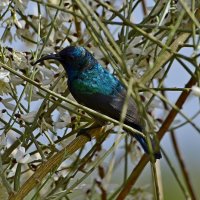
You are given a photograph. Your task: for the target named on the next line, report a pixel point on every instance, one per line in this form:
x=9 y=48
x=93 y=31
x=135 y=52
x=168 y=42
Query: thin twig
x=183 y=166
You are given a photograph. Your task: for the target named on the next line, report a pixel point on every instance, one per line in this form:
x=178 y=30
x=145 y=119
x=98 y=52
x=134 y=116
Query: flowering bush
x=39 y=119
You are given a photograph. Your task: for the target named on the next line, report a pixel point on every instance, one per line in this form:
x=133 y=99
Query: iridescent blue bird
x=93 y=86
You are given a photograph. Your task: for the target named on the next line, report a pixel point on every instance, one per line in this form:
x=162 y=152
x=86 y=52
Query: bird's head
x=73 y=58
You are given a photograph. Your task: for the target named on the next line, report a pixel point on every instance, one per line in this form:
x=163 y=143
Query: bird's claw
x=85 y=133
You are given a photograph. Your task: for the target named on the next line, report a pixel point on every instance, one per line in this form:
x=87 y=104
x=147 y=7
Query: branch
x=53 y=162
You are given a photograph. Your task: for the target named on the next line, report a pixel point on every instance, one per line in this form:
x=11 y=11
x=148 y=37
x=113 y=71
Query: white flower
x=63 y=121
x=46 y=75
x=11 y=172
x=117 y=128
x=48 y=50
x=29 y=117
x=196 y=91
x=21 y=5
x=97 y=52
x=4 y=76
x=1 y=113
x=160 y=74
x=61 y=86
x=4 y=4
x=51 y=37
x=3 y=141
x=20 y=60
x=136 y=50
x=34 y=96
x=45 y=71
x=7 y=104
x=21 y=156
x=45 y=125
x=16 y=21
x=16 y=80
x=6 y=140
x=23 y=32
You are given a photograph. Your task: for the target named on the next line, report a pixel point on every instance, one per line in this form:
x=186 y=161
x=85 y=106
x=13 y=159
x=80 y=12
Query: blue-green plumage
x=92 y=85
x=94 y=81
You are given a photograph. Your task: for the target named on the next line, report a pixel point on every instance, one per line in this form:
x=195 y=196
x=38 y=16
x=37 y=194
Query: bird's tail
x=144 y=145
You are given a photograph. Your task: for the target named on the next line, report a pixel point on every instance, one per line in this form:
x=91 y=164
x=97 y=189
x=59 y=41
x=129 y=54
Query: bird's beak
x=51 y=56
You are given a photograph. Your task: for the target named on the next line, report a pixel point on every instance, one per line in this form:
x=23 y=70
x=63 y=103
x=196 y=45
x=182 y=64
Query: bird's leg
x=86 y=130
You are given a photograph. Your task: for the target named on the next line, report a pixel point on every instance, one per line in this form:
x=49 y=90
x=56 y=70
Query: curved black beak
x=51 y=56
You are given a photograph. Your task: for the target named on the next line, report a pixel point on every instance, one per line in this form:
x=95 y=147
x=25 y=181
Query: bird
x=95 y=87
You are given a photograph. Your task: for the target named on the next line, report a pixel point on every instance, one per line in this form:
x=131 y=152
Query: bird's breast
x=93 y=81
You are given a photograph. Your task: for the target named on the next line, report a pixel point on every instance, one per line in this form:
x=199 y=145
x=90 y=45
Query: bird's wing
x=111 y=105
x=132 y=116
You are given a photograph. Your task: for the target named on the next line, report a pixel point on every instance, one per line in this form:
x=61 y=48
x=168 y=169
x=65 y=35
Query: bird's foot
x=85 y=133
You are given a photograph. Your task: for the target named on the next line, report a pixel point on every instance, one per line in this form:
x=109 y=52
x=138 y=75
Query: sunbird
x=95 y=87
